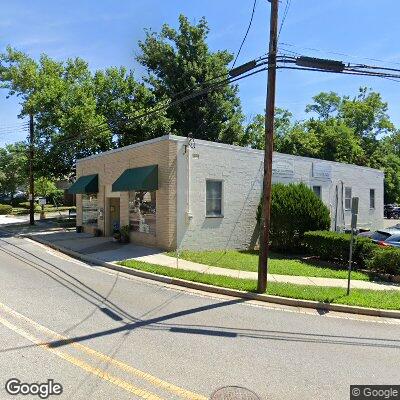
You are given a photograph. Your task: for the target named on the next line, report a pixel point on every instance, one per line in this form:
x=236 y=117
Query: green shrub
x=327 y=245
x=295 y=209
x=336 y=246
x=5 y=209
x=386 y=261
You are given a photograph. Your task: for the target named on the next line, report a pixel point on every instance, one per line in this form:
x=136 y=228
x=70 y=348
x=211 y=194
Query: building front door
x=114 y=214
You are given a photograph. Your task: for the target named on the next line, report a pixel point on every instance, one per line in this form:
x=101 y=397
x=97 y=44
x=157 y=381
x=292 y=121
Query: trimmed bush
x=336 y=247
x=295 y=209
x=386 y=261
x=5 y=209
x=327 y=245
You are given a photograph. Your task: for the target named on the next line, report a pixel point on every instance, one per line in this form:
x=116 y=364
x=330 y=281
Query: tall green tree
x=254 y=133
x=13 y=169
x=61 y=97
x=121 y=99
x=178 y=60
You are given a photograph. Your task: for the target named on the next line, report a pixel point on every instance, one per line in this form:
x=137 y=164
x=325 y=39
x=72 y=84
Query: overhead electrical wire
x=247 y=32
x=285 y=13
x=254 y=67
x=176 y=102
x=284 y=44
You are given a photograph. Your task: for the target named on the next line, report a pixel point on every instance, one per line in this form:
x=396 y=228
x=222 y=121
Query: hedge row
x=386 y=261
x=5 y=209
x=336 y=246
x=366 y=254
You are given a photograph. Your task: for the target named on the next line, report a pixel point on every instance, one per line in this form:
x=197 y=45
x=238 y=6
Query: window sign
x=89 y=209
x=142 y=212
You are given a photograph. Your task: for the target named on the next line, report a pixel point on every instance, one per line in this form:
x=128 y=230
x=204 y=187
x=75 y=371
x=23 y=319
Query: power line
x=174 y=103
x=285 y=13
x=336 y=53
x=247 y=32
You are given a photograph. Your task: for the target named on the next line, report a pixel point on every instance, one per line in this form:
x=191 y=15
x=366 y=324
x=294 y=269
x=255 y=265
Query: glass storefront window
x=142 y=212
x=89 y=209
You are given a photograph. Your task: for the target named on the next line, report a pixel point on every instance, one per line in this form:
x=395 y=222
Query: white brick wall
x=241 y=171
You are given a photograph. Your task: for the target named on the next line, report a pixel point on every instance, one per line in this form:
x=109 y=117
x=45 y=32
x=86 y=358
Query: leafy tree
x=254 y=133
x=178 y=61
x=325 y=105
x=13 y=169
x=120 y=98
x=46 y=188
x=61 y=96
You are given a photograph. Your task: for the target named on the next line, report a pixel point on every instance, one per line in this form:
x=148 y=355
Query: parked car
x=386 y=237
x=391 y=211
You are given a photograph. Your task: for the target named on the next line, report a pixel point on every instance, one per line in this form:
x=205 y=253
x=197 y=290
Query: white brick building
x=204 y=195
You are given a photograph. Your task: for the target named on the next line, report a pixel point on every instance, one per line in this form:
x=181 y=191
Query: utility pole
x=269 y=142
x=31 y=179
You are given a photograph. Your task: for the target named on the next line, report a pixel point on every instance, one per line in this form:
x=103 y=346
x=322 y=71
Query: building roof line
x=225 y=146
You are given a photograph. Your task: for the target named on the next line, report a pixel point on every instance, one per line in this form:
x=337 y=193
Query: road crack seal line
x=103 y=357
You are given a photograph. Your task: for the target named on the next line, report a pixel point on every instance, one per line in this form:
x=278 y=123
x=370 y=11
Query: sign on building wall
x=283 y=167
x=321 y=171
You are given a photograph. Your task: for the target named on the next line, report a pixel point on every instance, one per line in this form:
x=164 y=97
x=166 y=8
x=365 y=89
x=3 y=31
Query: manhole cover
x=234 y=393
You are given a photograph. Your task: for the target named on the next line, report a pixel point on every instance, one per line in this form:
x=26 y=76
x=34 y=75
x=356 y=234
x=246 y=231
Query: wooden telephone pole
x=269 y=141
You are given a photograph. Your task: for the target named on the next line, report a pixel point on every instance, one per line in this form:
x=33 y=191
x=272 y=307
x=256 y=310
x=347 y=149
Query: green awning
x=142 y=178
x=85 y=184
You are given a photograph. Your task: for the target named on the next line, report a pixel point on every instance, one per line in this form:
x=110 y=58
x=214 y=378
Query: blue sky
x=106 y=32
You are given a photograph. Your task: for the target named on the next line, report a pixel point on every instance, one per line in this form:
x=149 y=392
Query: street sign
x=42 y=201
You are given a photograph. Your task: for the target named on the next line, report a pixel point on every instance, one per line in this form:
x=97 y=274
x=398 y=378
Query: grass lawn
x=38 y=209
x=389 y=300
x=278 y=263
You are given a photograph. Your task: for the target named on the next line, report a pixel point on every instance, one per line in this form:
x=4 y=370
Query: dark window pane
x=213 y=198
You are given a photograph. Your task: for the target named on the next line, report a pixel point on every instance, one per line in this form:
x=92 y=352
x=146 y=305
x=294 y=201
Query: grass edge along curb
x=220 y=290
x=246 y=286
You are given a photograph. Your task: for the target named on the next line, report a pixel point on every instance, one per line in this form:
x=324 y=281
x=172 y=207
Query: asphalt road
x=104 y=335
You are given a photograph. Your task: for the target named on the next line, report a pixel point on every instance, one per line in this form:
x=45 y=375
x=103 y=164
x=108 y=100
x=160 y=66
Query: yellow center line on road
x=119 y=364
x=83 y=365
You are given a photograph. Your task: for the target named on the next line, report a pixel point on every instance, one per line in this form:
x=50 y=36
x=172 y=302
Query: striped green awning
x=142 y=178
x=85 y=184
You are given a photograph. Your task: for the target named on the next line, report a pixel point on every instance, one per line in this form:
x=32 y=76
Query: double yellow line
x=100 y=373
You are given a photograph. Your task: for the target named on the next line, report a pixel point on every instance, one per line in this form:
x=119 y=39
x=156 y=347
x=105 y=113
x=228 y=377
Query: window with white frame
x=213 y=198
x=89 y=209
x=317 y=190
x=371 y=198
x=347 y=198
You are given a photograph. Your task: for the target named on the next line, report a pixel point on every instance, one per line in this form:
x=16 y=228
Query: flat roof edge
x=225 y=146
x=131 y=146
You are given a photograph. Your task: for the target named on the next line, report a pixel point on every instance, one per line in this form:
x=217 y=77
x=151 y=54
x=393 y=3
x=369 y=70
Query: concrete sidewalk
x=104 y=249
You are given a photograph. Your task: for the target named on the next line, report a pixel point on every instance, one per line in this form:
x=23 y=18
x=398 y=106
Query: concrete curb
x=224 y=291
